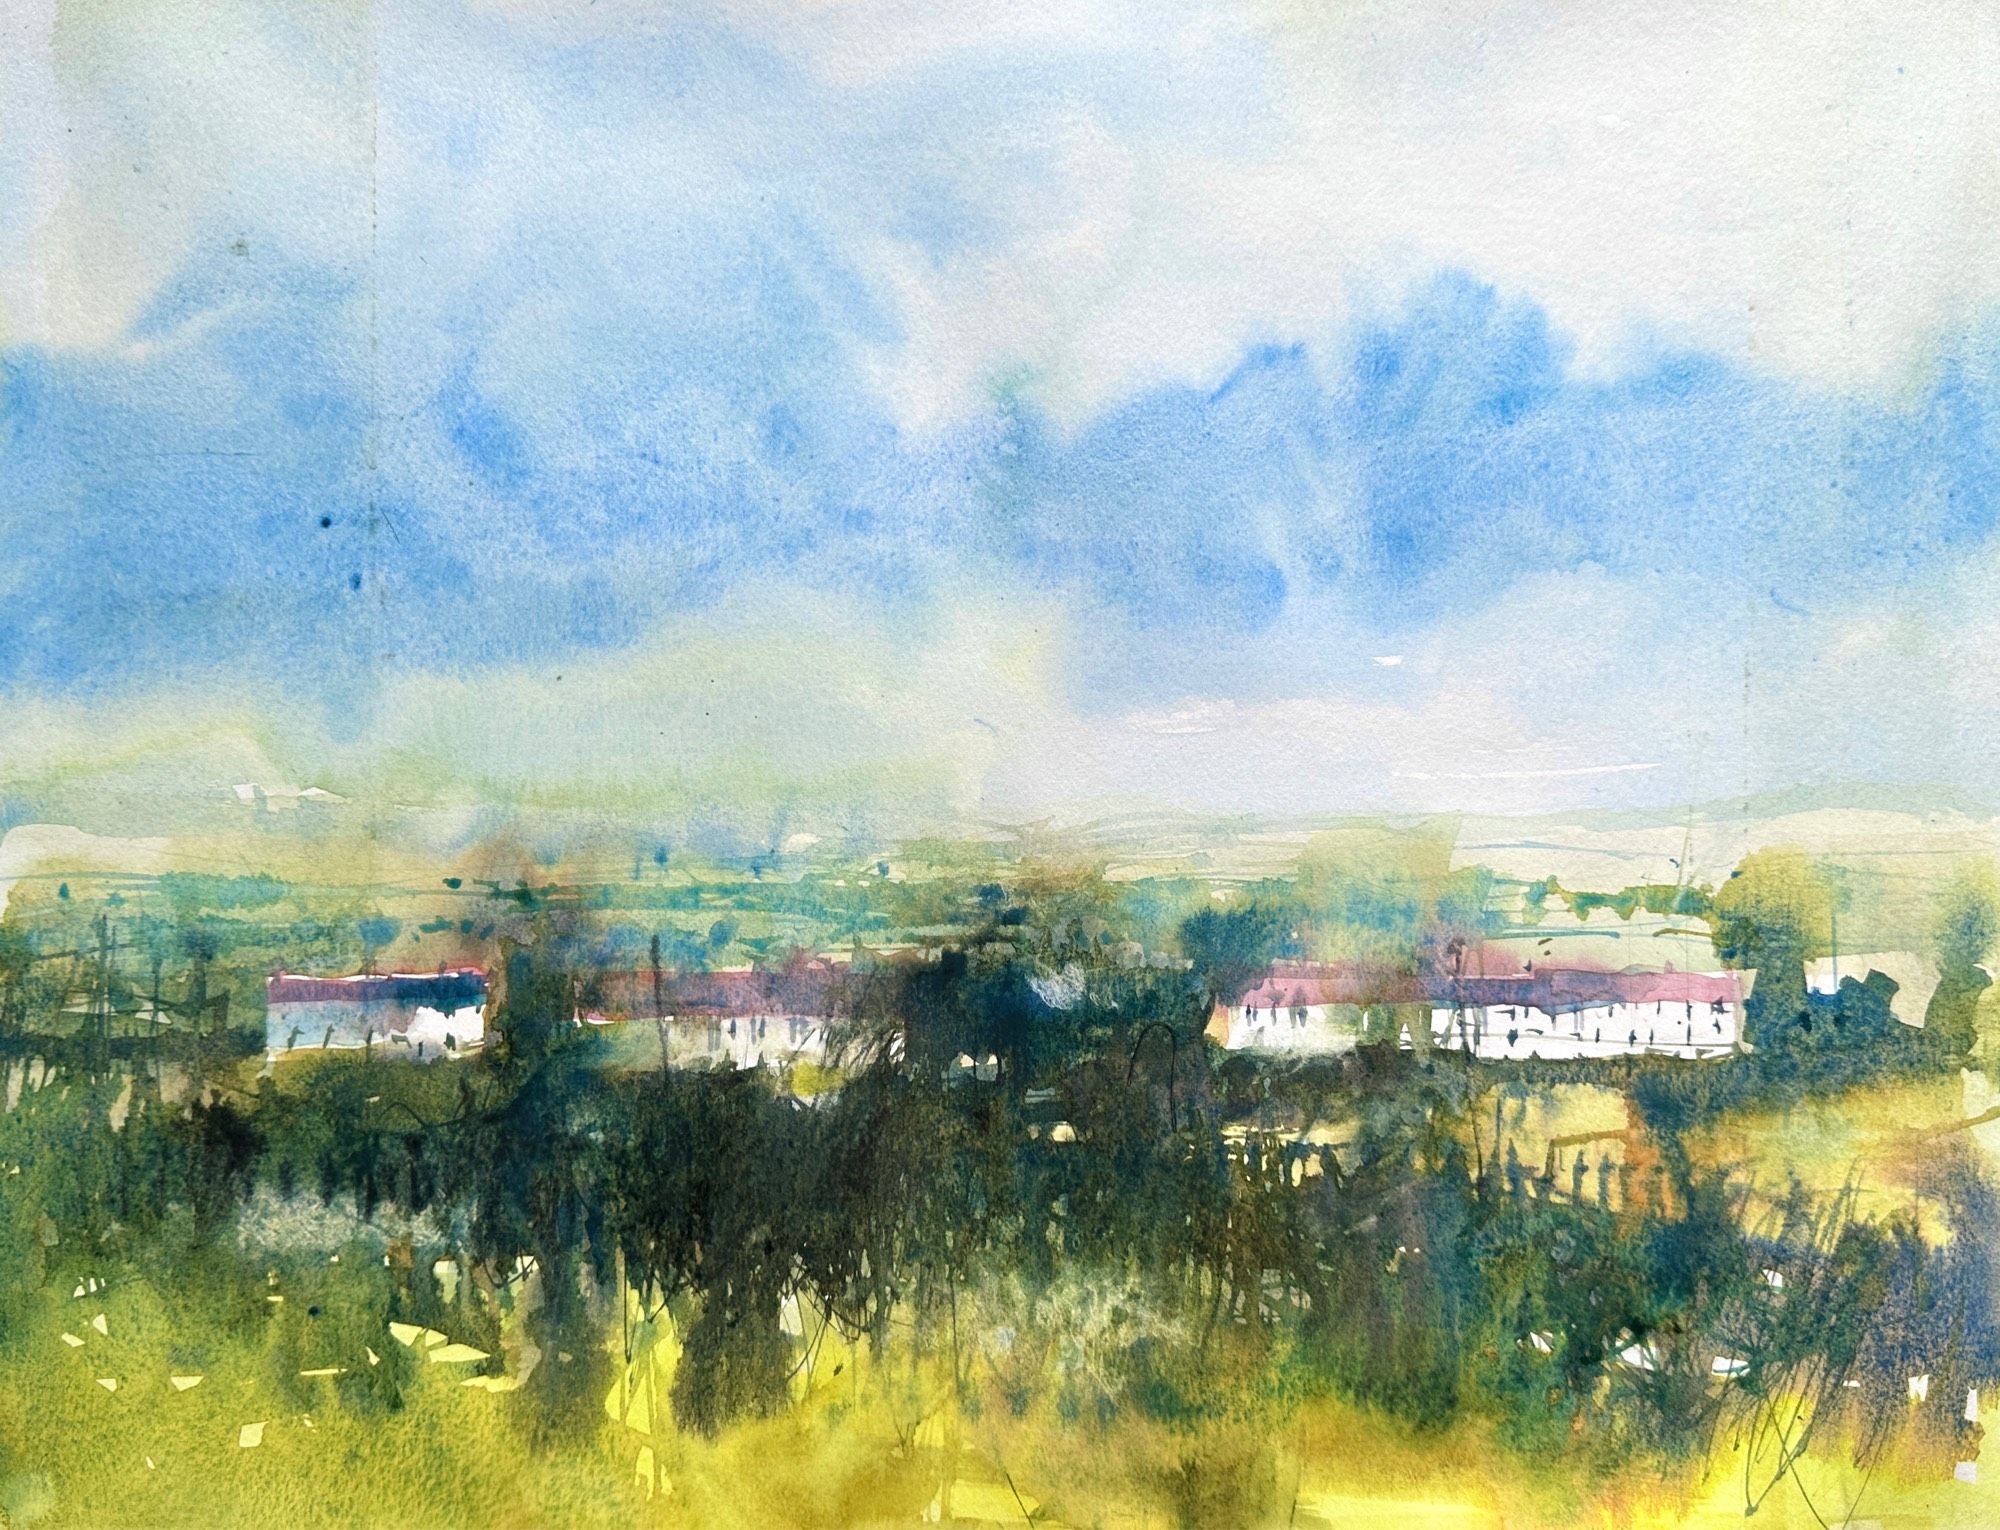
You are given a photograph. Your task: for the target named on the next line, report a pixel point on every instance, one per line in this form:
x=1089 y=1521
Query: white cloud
x=1810 y=187
x=1806 y=187
x=165 y=133
x=1571 y=691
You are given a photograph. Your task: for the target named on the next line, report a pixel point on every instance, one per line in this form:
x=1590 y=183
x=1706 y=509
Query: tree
x=1774 y=914
x=1231 y=947
x=17 y=965
x=537 y=1000
x=1962 y=936
x=377 y=932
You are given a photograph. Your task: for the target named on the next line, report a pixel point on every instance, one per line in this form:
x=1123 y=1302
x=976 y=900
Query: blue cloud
x=546 y=470
x=1448 y=451
x=161 y=508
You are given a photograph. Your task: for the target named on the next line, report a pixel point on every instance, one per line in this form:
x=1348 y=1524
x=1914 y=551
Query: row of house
x=1570 y=1013
x=1546 y=1014
x=423 y=1015
x=748 y=1019
x=745 y=1018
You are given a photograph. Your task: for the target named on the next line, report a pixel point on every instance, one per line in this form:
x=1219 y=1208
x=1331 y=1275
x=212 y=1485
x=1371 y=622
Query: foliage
x=1207 y=1247
x=1773 y=915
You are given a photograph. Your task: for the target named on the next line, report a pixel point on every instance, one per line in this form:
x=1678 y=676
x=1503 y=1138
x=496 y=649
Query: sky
x=975 y=413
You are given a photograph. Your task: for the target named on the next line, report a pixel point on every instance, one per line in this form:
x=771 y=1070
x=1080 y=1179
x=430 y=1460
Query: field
x=1121 y=1278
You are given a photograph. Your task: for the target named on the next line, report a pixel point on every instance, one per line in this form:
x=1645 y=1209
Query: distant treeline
x=173 y=967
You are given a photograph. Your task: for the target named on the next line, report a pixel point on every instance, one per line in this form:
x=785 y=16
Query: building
x=1576 y=1013
x=1547 y=1014
x=1915 y=976
x=1307 y=1008
x=744 y=1018
x=419 y=1015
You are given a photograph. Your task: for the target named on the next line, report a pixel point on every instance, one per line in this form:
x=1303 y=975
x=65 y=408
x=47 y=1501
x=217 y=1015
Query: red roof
x=814 y=989
x=1559 y=988
x=1290 y=984
x=1299 y=984
x=452 y=988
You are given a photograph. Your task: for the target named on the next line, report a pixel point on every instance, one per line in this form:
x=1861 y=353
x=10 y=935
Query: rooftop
x=451 y=988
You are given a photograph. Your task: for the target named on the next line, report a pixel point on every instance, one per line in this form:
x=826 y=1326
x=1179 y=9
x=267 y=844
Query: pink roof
x=1290 y=984
x=1564 y=988
x=1300 y=984
x=451 y=988
x=806 y=988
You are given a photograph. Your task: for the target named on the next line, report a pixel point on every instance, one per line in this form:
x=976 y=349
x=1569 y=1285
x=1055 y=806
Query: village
x=1318 y=1106
x=747 y=1018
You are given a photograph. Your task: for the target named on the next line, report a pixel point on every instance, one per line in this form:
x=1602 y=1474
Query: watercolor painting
x=1124 y=764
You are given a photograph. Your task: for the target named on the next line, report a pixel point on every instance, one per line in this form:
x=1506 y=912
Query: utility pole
x=659 y=1006
x=99 y=1017
x=153 y=1024
x=197 y=1007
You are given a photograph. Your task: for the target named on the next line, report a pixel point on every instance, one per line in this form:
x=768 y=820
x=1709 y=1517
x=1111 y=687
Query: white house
x=1572 y=1013
x=1548 y=1014
x=1308 y=1009
x=419 y=1015
x=742 y=1018
x=1915 y=977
